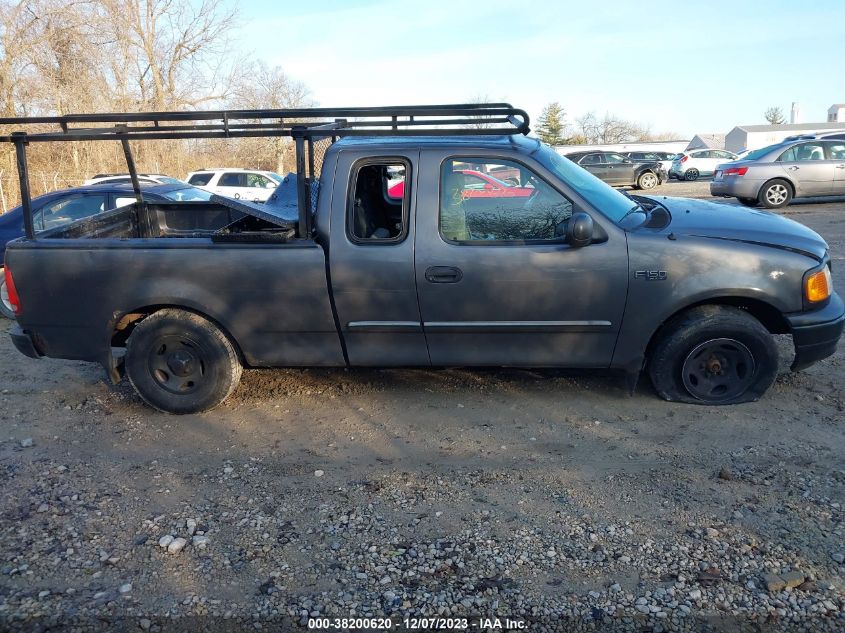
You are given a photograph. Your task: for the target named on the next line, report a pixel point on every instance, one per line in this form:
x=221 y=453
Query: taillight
x=684 y=158
x=736 y=171
x=12 y=292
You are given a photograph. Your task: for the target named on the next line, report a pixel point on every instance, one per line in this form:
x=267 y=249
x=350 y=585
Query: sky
x=684 y=67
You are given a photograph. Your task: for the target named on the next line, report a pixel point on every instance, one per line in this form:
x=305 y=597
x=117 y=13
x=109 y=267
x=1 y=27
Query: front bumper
x=816 y=334
x=23 y=341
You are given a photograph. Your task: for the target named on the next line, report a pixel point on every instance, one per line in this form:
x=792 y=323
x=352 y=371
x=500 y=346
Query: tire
x=691 y=174
x=713 y=355
x=179 y=362
x=647 y=180
x=748 y=202
x=5 y=306
x=775 y=194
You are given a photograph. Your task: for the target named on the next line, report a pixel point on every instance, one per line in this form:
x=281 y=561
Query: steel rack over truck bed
x=431 y=236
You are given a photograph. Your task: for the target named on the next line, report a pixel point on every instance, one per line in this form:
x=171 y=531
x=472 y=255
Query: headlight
x=818 y=285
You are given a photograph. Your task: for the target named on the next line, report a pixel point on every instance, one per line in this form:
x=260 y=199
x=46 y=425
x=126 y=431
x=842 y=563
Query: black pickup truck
x=408 y=250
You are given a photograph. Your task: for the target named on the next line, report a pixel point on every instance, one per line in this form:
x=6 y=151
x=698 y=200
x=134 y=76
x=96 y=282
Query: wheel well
x=129 y=321
x=786 y=181
x=765 y=313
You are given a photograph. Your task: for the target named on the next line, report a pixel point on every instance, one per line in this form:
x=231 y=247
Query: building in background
x=836 y=113
x=757 y=136
x=795 y=113
x=707 y=141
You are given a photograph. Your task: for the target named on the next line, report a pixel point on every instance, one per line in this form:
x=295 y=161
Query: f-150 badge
x=651 y=275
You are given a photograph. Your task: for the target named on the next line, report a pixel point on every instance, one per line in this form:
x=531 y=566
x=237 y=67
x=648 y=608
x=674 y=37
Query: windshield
x=188 y=194
x=605 y=198
x=757 y=153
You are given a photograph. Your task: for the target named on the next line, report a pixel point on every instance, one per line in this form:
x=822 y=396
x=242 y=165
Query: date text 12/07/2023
x=417 y=624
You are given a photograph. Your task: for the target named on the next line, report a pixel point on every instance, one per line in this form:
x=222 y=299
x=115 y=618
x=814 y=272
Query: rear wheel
x=748 y=202
x=691 y=174
x=648 y=180
x=713 y=355
x=775 y=194
x=180 y=362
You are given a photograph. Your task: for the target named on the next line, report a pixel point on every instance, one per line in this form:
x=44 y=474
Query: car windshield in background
x=605 y=198
x=188 y=194
x=757 y=153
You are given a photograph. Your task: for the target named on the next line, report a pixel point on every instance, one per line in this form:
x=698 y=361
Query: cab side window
x=527 y=212
x=379 y=201
x=232 y=179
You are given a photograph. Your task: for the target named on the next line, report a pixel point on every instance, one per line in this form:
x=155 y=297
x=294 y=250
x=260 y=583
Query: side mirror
x=579 y=230
x=488 y=187
x=270 y=185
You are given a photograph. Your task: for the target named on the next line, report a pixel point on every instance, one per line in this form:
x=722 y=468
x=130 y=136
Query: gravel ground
x=548 y=497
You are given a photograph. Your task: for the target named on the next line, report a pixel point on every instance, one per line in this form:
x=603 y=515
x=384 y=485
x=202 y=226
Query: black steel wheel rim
x=177 y=364
x=718 y=370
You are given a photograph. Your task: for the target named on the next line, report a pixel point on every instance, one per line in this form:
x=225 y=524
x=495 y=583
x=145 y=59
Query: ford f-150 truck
x=334 y=271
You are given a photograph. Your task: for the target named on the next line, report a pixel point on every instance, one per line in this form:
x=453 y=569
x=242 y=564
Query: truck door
x=497 y=283
x=371 y=257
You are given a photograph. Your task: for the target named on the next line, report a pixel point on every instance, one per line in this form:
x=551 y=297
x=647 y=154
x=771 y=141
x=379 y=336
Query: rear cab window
x=378 y=204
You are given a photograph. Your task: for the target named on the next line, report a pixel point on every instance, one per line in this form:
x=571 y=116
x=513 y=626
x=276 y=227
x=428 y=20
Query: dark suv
x=619 y=171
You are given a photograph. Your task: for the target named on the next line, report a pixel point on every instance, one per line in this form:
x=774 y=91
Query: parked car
x=57 y=208
x=773 y=176
x=241 y=184
x=664 y=158
x=577 y=274
x=692 y=164
x=619 y=171
x=114 y=179
x=475 y=184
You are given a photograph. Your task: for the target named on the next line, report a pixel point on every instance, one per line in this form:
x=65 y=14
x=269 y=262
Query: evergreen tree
x=550 y=127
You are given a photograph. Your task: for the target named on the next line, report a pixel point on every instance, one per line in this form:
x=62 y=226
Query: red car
x=476 y=185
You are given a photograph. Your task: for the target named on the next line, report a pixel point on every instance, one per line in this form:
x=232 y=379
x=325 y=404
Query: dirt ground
x=550 y=497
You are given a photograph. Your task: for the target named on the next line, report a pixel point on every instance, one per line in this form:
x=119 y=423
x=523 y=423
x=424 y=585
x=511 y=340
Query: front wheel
x=691 y=174
x=5 y=307
x=713 y=355
x=180 y=362
x=775 y=194
x=647 y=180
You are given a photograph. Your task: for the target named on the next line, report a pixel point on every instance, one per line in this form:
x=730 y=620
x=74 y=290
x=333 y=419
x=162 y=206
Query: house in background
x=707 y=141
x=836 y=113
x=757 y=136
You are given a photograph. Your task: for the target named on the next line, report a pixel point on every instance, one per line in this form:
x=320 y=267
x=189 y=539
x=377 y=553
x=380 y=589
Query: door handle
x=793 y=168
x=443 y=275
x=840 y=167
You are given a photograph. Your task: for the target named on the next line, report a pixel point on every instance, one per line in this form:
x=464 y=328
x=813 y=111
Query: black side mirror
x=579 y=230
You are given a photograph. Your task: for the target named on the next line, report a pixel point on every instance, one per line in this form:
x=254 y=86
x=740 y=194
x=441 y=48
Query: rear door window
x=836 y=149
x=379 y=201
x=69 y=209
x=233 y=179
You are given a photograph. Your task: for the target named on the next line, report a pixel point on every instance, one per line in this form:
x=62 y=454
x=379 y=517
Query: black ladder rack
x=304 y=125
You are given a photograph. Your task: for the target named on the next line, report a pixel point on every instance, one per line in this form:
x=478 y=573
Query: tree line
x=65 y=56
x=591 y=129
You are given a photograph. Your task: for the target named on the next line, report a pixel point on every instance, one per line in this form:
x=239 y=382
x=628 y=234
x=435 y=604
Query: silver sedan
x=774 y=175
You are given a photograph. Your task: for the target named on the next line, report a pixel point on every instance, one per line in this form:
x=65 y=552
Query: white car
x=113 y=179
x=693 y=163
x=242 y=184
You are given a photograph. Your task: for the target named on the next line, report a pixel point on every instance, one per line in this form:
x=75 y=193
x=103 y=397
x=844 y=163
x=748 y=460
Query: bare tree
x=609 y=129
x=170 y=53
x=774 y=116
x=266 y=87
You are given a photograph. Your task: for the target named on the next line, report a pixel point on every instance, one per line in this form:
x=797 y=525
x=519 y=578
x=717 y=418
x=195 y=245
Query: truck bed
x=266 y=288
